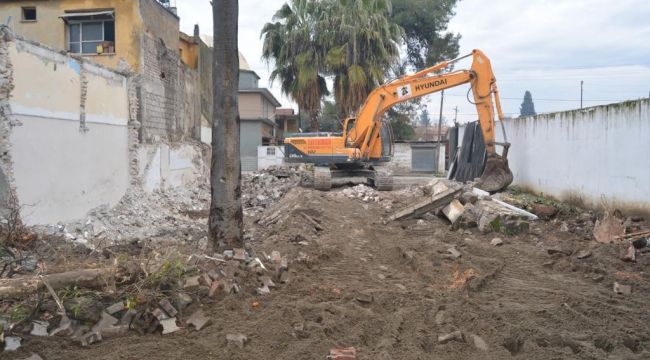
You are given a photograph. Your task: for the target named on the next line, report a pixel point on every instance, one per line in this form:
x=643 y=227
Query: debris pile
x=362 y=192
x=262 y=188
x=162 y=294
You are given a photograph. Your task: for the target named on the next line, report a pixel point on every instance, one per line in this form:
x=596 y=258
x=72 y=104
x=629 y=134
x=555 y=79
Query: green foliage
x=401 y=125
x=329 y=120
x=424 y=24
x=527 y=106
x=425 y=120
x=18 y=313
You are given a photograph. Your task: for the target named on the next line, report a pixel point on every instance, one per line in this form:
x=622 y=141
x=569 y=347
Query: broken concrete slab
x=453 y=210
x=192 y=281
x=238 y=340
x=426 y=205
x=198 y=320
x=454 y=336
x=622 y=289
x=239 y=254
x=169 y=326
x=168 y=307
x=12 y=343
x=454 y=253
x=479 y=343
x=348 y=353
x=496 y=242
x=117 y=307
x=609 y=227
x=364 y=298
x=105 y=322
x=583 y=254
x=39 y=328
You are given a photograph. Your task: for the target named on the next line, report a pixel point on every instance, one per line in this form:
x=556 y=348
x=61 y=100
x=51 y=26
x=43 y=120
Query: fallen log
x=85 y=278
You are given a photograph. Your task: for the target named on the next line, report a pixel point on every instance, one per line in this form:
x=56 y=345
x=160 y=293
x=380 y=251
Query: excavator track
x=322 y=178
x=383 y=181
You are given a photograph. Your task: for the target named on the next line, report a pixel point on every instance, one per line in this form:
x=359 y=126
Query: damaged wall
x=579 y=155
x=70 y=147
x=164 y=166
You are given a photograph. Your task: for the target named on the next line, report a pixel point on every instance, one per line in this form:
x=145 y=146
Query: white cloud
x=545 y=46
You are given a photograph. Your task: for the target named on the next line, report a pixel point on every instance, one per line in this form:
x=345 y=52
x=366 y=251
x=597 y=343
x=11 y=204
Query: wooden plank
x=426 y=205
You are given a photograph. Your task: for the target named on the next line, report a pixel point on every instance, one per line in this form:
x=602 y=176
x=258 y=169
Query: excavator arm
x=366 y=133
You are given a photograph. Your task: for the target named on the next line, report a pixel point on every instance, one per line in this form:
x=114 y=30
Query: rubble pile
x=164 y=295
x=262 y=188
x=362 y=192
x=139 y=215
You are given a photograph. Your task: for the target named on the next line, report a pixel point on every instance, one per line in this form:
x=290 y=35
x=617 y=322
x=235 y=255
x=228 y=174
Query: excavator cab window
x=349 y=126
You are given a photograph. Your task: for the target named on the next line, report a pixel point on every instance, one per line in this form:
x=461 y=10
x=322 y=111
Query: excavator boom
x=361 y=139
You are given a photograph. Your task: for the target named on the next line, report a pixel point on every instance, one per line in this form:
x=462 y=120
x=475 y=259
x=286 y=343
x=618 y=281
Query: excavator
x=366 y=142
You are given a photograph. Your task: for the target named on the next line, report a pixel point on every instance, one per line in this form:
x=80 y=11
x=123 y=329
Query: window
x=91 y=35
x=29 y=14
x=270 y=151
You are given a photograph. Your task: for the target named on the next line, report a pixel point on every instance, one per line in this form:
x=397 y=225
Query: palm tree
x=225 y=223
x=294 y=43
x=362 y=47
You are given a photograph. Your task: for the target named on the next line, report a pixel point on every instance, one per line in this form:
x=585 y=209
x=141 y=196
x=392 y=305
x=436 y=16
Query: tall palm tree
x=293 y=42
x=225 y=223
x=362 y=47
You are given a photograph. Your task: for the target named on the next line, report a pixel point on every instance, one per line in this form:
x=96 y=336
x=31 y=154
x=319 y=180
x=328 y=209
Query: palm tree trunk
x=314 y=123
x=225 y=223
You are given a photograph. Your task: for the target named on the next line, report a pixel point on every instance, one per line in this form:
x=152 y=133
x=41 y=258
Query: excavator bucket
x=497 y=175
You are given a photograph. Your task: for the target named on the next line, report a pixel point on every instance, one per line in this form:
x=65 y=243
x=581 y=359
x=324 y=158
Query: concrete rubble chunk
x=182 y=300
x=198 y=320
x=426 y=205
x=216 y=287
x=169 y=326
x=348 y=353
x=65 y=327
x=544 y=211
x=622 y=289
x=192 y=281
x=39 y=328
x=238 y=340
x=276 y=257
x=284 y=277
x=454 y=336
x=364 y=298
x=266 y=281
x=453 y=211
x=608 y=227
x=12 y=343
x=479 y=343
x=228 y=254
x=128 y=317
x=454 y=253
x=441 y=317
x=168 y=307
x=583 y=254
x=90 y=338
x=239 y=254
x=105 y=322
x=496 y=242
x=159 y=314
x=117 y=307
x=205 y=280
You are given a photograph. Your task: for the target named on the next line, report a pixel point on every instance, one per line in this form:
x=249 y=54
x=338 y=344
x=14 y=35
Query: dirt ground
x=389 y=290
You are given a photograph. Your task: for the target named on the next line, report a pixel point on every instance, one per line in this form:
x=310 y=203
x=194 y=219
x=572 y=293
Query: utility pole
x=455 y=115
x=435 y=161
x=581 y=87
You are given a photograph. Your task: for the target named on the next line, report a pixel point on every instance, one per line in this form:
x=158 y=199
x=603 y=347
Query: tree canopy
x=527 y=106
x=355 y=43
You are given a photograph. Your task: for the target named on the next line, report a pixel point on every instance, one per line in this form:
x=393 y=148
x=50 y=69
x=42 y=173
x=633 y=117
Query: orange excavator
x=366 y=142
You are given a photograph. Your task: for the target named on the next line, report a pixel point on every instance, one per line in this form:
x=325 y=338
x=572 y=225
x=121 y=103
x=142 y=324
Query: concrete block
x=454 y=210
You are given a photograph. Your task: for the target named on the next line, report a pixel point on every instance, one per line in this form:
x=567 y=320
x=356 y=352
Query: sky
x=544 y=46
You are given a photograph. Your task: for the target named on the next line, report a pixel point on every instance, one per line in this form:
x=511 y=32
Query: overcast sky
x=545 y=46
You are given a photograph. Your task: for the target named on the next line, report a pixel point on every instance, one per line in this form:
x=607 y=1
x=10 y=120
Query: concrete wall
x=68 y=136
x=582 y=155
x=164 y=166
x=268 y=156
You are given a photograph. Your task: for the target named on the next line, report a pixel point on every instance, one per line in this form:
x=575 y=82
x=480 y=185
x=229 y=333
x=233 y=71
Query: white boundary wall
x=582 y=155
x=62 y=168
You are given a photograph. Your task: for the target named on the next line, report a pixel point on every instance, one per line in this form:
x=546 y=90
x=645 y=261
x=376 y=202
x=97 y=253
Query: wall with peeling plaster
x=581 y=155
x=70 y=149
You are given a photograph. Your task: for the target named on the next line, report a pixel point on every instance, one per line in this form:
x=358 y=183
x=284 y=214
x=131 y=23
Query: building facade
x=140 y=38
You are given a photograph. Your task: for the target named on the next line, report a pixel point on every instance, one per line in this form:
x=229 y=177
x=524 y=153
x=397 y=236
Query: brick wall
x=170 y=95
